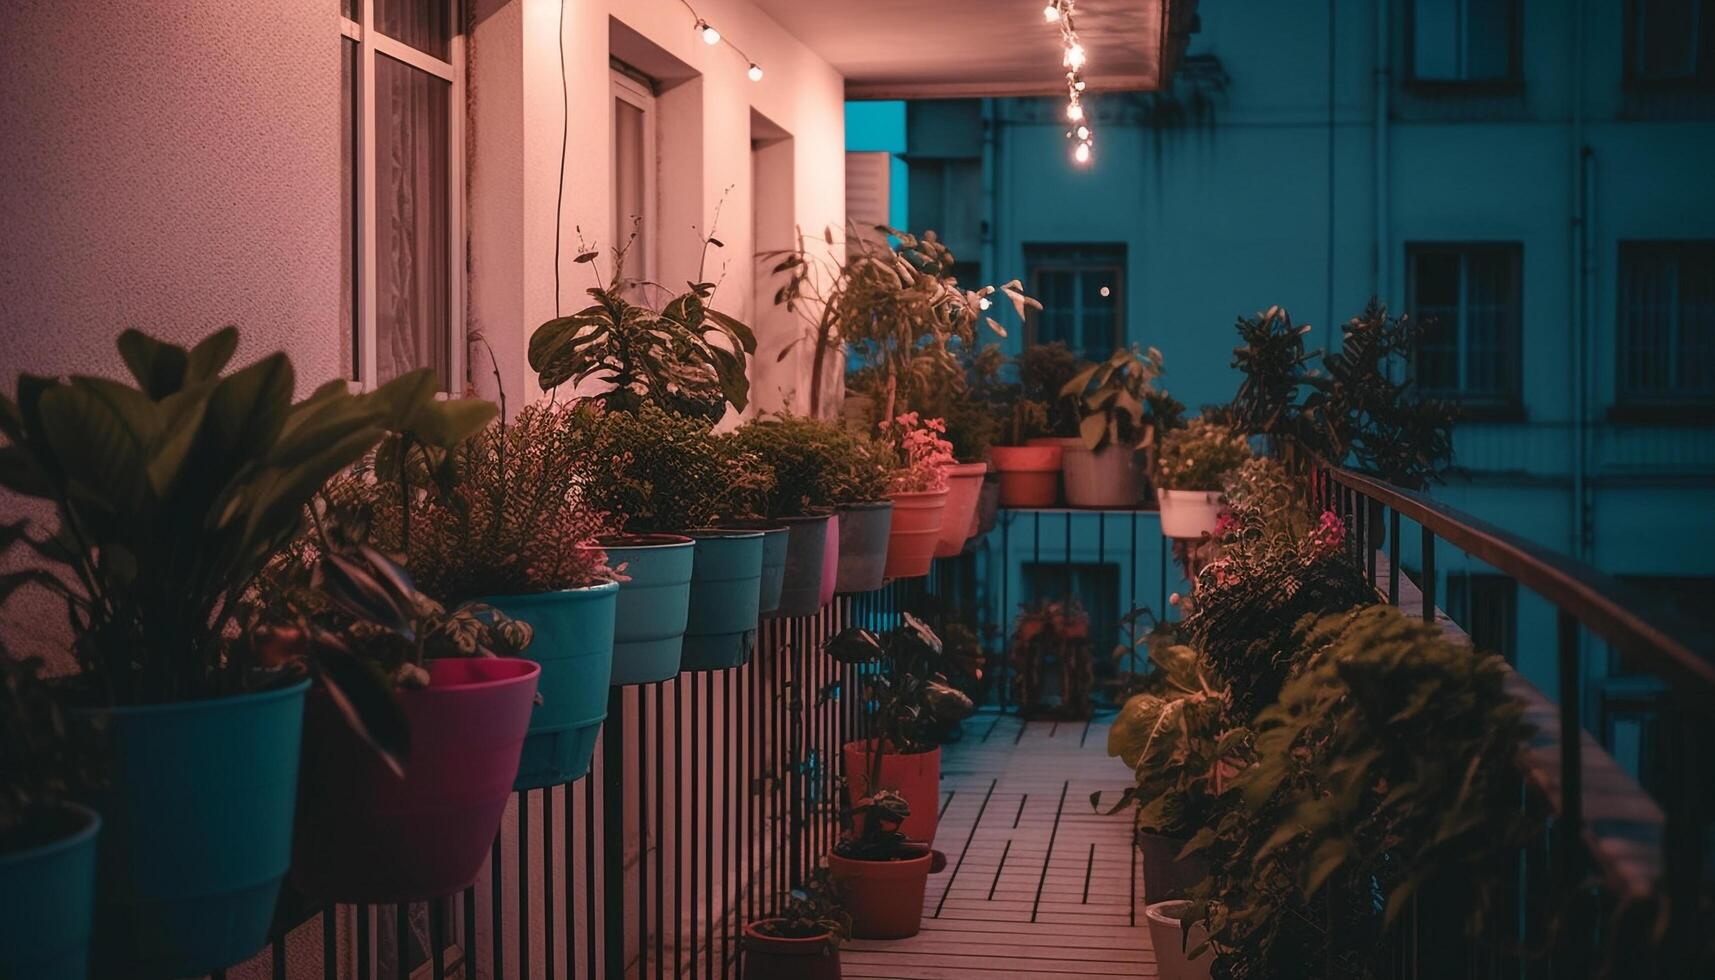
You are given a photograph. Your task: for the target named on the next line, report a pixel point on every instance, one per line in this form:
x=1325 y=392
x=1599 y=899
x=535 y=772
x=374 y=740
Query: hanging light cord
x=1074 y=59
x=712 y=36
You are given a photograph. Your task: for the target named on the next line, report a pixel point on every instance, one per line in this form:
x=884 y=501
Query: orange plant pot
x=1029 y=475
x=964 y=485
x=916 y=530
x=917 y=777
x=774 y=958
x=885 y=898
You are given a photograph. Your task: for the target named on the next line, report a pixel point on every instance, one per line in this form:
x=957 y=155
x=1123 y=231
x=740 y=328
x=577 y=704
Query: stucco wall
x=173 y=167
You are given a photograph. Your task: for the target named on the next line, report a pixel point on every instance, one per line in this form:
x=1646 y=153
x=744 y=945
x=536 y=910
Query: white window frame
x=638 y=94
x=371 y=42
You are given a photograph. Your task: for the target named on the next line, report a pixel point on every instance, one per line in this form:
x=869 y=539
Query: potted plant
x=47 y=842
x=881 y=872
x=1052 y=662
x=1115 y=423
x=416 y=824
x=508 y=528
x=968 y=411
x=1029 y=471
x=1194 y=462
x=863 y=514
x=802 y=941
x=1179 y=939
x=810 y=459
x=694 y=595
x=171 y=497
x=911 y=707
x=918 y=489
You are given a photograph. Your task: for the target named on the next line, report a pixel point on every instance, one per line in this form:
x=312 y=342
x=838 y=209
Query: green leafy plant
x=1114 y=399
x=908 y=700
x=664 y=472
x=1199 y=456
x=1053 y=667
x=1386 y=765
x=965 y=392
x=46 y=756
x=1276 y=368
x=812 y=909
x=817 y=464
x=919 y=453
x=1044 y=371
x=173 y=495
x=877 y=819
x=686 y=356
x=1264 y=497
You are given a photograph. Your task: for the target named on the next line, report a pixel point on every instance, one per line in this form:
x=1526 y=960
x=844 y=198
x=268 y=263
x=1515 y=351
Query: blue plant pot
x=725 y=591
x=649 y=621
x=574 y=644
x=197 y=831
x=48 y=893
x=808 y=544
x=774 y=549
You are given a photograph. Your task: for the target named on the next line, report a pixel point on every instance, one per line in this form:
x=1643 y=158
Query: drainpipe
x=1382 y=274
x=991 y=192
x=1583 y=165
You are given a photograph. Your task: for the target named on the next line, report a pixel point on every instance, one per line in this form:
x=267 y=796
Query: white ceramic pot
x=1189 y=514
x=1170 y=941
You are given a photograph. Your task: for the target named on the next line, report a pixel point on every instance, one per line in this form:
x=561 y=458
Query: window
x=1666 y=321
x=402 y=219
x=1464 y=40
x=1095 y=586
x=1468 y=299
x=1687 y=596
x=1082 y=290
x=634 y=172
x=1669 y=40
x=1486 y=607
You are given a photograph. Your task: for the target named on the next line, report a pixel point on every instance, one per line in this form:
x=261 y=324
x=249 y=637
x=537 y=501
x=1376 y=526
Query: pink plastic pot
x=964 y=485
x=916 y=530
x=364 y=834
x=1029 y=475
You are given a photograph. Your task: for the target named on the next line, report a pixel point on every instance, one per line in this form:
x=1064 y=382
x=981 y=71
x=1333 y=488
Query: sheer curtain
x=411 y=218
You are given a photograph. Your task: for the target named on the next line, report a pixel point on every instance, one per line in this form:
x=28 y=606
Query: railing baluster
x=524 y=884
x=1393 y=557
x=613 y=834
x=1427 y=586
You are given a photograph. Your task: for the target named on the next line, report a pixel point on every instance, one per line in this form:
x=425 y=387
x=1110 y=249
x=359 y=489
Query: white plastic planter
x=1170 y=942
x=1189 y=514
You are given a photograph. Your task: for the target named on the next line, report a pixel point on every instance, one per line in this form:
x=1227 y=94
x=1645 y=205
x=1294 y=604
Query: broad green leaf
x=211 y=356
x=159 y=367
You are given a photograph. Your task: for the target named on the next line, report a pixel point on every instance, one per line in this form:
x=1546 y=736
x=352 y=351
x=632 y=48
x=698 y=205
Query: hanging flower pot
x=964 y=486
x=830 y=561
x=915 y=776
x=197 y=831
x=864 y=531
x=1190 y=514
x=915 y=532
x=807 y=547
x=1172 y=941
x=885 y=898
x=774 y=547
x=651 y=611
x=574 y=644
x=726 y=580
x=1100 y=478
x=770 y=957
x=988 y=506
x=365 y=834
x=1029 y=475
x=47 y=887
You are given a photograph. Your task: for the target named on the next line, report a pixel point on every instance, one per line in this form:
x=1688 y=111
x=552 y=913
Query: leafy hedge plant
x=1200 y=456
x=1116 y=399
x=817 y=464
x=919 y=452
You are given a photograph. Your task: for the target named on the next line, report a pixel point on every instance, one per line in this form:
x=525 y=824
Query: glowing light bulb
x=1082 y=153
x=1079 y=85
x=710 y=35
x=1083 y=132
x=755 y=73
x=1051 y=13
x=984 y=303
x=1106 y=292
x=1075 y=56
x=1075 y=112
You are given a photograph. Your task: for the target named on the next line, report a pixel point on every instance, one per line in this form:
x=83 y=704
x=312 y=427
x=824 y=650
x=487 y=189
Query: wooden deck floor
x=1037 y=886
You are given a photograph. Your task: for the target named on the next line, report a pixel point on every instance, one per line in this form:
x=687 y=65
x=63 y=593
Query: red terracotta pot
x=964 y=484
x=364 y=834
x=1029 y=475
x=916 y=530
x=916 y=776
x=885 y=898
x=773 y=958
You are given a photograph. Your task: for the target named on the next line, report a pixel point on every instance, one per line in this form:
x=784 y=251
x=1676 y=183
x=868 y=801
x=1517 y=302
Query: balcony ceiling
x=908 y=49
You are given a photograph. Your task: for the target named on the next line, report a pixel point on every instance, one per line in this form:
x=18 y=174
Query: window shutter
x=868 y=192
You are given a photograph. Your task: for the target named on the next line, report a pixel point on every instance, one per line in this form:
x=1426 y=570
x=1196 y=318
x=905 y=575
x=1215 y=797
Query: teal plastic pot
x=47 y=889
x=807 y=544
x=725 y=590
x=774 y=544
x=574 y=644
x=649 y=618
x=197 y=831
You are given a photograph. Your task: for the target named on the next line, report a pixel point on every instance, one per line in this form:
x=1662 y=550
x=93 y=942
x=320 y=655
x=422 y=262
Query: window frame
x=1674 y=397
x=1702 y=78
x=1511 y=81
x=633 y=88
x=1509 y=403
x=1083 y=258
x=372 y=44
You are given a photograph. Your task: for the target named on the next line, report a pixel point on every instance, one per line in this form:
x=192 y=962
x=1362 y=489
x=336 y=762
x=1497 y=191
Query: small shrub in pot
x=802 y=940
x=882 y=873
x=1191 y=469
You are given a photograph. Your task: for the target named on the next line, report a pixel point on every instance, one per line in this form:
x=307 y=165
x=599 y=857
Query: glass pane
x=1697 y=321
x=349 y=303
x=1667 y=38
x=426 y=25
x=1488 y=35
x=1435 y=39
x=412 y=175
x=630 y=187
x=1100 y=320
x=1491 y=313
x=1058 y=316
x=1435 y=303
x=1646 y=305
x=348 y=9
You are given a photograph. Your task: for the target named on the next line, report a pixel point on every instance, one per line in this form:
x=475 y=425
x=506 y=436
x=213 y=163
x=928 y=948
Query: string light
x=712 y=37
x=1074 y=59
x=755 y=72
